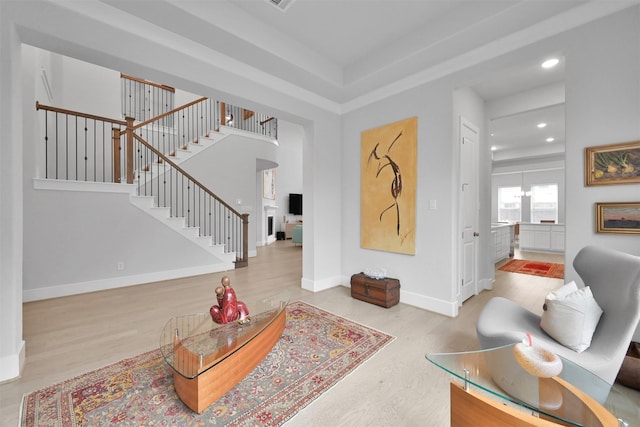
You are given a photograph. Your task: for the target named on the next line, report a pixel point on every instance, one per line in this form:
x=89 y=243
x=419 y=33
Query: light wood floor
x=397 y=387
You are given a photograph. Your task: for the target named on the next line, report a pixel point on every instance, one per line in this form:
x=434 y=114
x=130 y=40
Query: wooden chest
x=383 y=292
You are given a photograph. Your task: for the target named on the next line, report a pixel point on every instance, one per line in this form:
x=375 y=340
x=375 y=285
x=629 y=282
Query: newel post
x=116 y=155
x=129 y=148
x=245 y=237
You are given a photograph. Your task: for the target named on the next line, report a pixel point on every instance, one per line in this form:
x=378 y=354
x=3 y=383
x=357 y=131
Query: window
x=509 y=204
x=544 y=202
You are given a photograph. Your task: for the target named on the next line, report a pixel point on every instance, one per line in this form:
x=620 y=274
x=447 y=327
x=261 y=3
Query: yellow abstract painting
x=388 y=187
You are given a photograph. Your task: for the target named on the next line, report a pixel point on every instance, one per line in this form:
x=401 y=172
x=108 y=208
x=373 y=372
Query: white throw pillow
x=571 y=316
x=567 y=289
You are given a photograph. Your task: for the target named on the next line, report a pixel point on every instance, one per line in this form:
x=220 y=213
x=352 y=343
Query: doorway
x=525 y=119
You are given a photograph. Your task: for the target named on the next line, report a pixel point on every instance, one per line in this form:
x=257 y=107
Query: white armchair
x=614 y=279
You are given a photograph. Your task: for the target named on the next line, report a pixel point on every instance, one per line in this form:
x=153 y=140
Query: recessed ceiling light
x=550 y=139
x=541 y=125
x=494 y=148
x=550 y=63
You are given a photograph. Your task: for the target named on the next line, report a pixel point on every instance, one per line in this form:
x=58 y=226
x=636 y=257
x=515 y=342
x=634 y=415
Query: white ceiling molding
x=292 y=70
x=553 y=26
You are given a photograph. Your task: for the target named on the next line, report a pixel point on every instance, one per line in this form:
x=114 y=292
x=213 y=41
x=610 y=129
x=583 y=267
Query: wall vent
x=283 y=5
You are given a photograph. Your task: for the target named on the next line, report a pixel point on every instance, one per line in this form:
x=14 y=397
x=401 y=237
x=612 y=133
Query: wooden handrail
x=175 y=110
x=76 y=113
x=147 y=82
x=185 y=173
x=267 y=120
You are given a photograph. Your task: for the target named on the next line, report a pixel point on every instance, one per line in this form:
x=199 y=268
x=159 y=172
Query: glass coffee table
x=208 y=359
x=495 y=387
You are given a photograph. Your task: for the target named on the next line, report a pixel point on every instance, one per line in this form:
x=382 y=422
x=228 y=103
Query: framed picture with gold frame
x=619 y=218
x=269 y=184
x=612 y=164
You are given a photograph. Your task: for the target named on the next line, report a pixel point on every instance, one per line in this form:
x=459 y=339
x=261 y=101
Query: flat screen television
x=295 y=204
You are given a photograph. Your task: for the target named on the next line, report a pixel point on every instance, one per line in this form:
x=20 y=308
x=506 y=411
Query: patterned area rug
x=535 y=268
x=317 y=349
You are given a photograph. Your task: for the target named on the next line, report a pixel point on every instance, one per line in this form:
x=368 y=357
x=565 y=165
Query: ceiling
x=343 y=54
x=514 y=133
x=518 y=136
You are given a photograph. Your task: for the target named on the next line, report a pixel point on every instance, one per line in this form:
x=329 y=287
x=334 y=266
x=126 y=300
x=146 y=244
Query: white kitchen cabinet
x=542 y=237
x=557 y=238
x=502 y=240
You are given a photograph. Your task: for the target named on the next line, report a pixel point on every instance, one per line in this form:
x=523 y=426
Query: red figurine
x=229 y=309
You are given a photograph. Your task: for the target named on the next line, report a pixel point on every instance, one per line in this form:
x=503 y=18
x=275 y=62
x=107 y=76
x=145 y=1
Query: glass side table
x=208 y=359
x=496 y=391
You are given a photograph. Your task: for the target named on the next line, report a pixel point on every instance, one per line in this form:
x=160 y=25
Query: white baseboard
x=426 y=303
x=99 y=187
x=114 y=282
x=267 y=242
x=11 y=365
x=446 y=308
x=320 y=285
x=485 y=285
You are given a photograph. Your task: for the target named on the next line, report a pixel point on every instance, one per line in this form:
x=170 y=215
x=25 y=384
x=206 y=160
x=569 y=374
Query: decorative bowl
x=536 y=360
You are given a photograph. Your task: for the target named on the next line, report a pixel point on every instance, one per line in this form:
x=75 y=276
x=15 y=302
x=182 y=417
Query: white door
x=468 y=210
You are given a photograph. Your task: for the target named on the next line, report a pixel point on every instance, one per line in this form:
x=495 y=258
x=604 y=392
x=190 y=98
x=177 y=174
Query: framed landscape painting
x=612 y=164
x=620 y=218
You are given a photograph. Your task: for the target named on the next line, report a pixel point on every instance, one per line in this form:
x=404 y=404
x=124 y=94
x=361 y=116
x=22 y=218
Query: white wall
x=322 y=188
x=85 y=87
x=105 y=229
x=426 y=278
x=603 y=107
x=429 y=278
x=12 y=346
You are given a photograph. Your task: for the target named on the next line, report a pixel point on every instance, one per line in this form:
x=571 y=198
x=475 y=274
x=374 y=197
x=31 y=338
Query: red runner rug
x=534 y=268
x=317 y=349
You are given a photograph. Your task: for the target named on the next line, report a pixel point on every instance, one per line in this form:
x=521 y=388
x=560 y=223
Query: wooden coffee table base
x=469 y=407
x=200 y=392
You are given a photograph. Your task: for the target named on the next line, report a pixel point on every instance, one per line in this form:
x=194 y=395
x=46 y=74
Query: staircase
x=179 y=224
x=148 y=155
